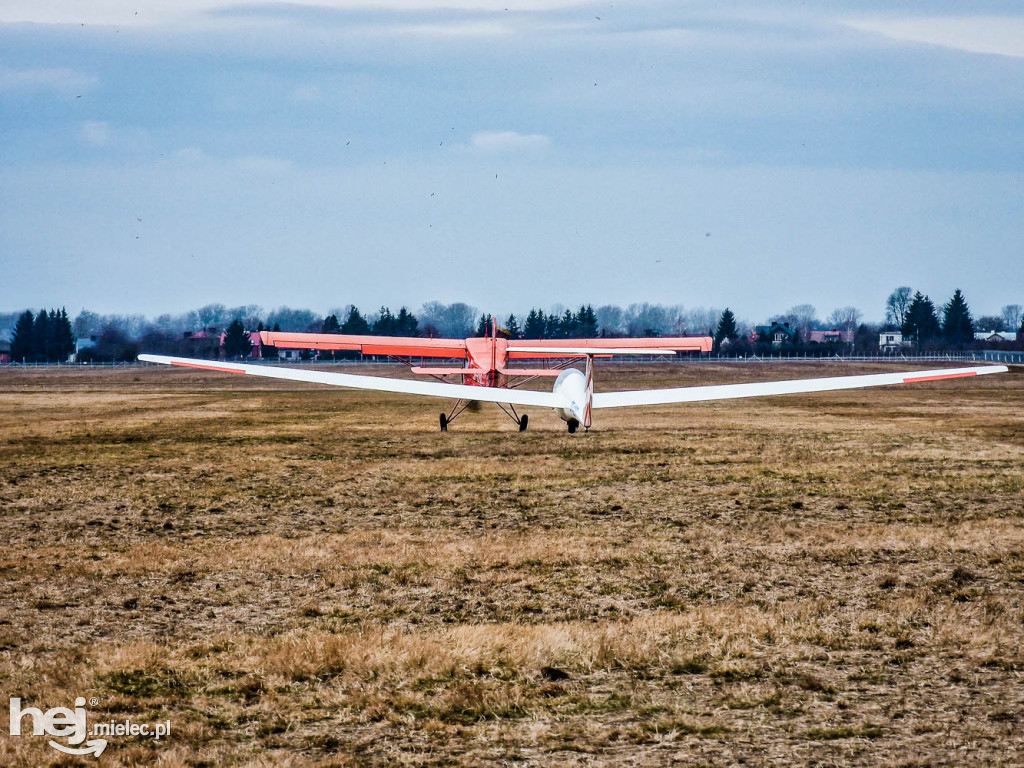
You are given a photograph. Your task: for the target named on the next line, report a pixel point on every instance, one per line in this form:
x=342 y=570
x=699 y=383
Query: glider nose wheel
x=573 y=425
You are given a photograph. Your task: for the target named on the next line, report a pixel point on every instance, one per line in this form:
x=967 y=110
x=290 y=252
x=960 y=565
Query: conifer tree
x=921 y=322
x=331 y=324
x=64 y=335
x=385 y=324
x=586 y=323
x=41 y=337
x=569 y=325
x=553 y=326
x=355 y=323
x=536 y=326
x=512 y=327
x=22 y=349
x=726 y=327
x=406 y=323
x=957 y=324
x=236 y=340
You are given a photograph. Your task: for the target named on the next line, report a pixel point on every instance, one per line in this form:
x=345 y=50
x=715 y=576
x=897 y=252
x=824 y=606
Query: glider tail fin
x=588 y=405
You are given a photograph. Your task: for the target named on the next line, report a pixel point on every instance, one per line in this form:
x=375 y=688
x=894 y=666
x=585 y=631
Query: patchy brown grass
x=302 y=577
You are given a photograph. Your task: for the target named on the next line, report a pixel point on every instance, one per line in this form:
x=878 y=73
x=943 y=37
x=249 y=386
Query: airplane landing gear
x=573 y=425
x=445 y=420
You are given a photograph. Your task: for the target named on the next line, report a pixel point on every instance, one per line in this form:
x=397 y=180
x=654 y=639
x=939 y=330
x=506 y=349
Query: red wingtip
x=940 y=377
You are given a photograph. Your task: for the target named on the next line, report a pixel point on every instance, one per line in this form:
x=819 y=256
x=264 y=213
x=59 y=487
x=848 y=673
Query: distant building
x=830 y=337
x=775 y=334
x=255 y=339
x=995 y=337
x=204 y=343
x=892 y=341
x=257 y=345
x=5 y=351
x=80 y=345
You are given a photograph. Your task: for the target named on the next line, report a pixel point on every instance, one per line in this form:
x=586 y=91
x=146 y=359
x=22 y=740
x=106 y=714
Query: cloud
x=196 y=158
x=191 y=155
x=451 y=29
x=66 y=82
x=96 y=133
x=976 y=34
x=307 y=94
x=131 y=13
x=262 y=164
x=503 y=142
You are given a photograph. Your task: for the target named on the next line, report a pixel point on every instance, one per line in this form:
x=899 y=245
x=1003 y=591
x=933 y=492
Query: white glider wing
x=377 y=383
x=765 y=389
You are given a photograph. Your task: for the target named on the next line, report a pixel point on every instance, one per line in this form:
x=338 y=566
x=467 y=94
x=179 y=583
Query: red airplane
x=488 y=373
x=488 y=363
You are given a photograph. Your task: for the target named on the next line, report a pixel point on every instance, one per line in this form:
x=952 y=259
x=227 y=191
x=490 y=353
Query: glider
x=488 y=374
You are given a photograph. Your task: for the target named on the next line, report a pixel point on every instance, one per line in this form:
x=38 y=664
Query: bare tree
x=610 y=319
x=88 y=324
x=703 y=320
x=294 y=320
x=803 y=318
x=897 y=305
x=991 y=323
x=646 y=320
x=213 y=315
x=845 y=318
x=676 y=319
x=7 y=322
x=452 y=321
x=1012 y=314
x=251 y=315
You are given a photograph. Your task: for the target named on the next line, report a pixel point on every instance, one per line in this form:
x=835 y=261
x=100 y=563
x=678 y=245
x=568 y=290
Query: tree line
x=50 y=335
x=42 y=338
x=914 y=314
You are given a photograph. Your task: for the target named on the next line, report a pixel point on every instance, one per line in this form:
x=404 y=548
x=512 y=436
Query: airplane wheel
x=573 y=426
x=444 y=423
x=524 y=420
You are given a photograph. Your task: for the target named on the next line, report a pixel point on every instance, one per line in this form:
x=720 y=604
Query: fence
x=994 y=356
x=984 y=356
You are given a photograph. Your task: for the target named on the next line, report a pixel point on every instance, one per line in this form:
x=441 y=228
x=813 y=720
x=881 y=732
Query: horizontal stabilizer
x=554 y=372
x=421 y=371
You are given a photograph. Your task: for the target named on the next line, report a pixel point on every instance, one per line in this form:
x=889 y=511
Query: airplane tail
x=589 y=402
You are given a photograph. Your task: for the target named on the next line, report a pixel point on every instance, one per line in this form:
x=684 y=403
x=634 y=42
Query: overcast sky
x=157 y=156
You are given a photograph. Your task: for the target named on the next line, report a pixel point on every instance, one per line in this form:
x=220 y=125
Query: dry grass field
x=297 y=576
